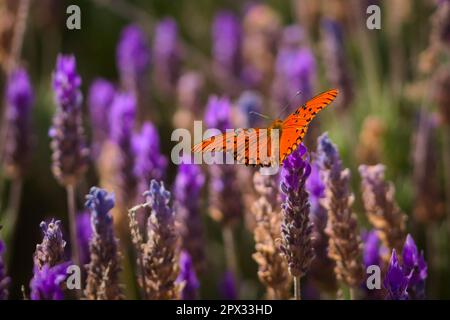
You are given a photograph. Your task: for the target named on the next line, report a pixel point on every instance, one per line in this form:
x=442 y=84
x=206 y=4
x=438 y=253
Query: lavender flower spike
x=84 y=235
x=167 y=54
x=345 y=246
x=414 y=264
x=132 y=56
x=227 y=287
x=161 y=251
x=4 y=279
x=395 y=281
x=188 y=278
x=70 y=154
x=103 y=270
x=51 y=251
x=47 y=282
x=101 y=95
x=19 y=101
x=149 y=162
x=187 y=191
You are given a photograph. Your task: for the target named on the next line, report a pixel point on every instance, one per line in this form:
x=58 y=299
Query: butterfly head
x=277 y=124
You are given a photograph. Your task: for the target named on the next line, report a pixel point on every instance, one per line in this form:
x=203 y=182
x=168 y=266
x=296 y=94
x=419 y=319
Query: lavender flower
x=160 y=253
x=226 y=38
x=103 y=270
x=295 y=70
x=187 y=190
x=227 y=286
x=19 y=101
x=47 y=283
x=322 y=268
x=101 y=95
x=122 y=119
x=4 y=279
x=166 y=52
x=336 y=62
x=248 y=102
x=342 y=228
x=296 y=229
x=189 y=90
x=395 y=281
x=415 y=267
x=371 y=252
x=84 y=235
x=70 y=154
x=149 y=162
x=188 y=278
x=382 y=210
x=51 y=250
x=225 y=199
x=132 y=56
x=272 y=266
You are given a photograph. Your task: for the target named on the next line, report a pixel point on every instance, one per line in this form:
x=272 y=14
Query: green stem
x=72 y=210
x=230 y=251
x=297 y=288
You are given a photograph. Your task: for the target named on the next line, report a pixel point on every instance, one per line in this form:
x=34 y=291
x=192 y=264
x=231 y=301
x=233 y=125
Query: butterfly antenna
x=299 y=92
x=260 y=114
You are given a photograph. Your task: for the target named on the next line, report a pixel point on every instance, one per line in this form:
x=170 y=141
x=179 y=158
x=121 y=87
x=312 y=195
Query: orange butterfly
x=253 y=146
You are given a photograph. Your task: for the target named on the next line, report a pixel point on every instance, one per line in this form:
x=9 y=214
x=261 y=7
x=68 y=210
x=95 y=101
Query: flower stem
x=230 y=251
x=15 y=196
x=353 y=295
x=297 y=288
x=71 y=193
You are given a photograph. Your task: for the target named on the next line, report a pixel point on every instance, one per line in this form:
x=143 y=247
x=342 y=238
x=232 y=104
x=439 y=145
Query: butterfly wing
x=304 y=115
x=249 y=146
x=295 y=126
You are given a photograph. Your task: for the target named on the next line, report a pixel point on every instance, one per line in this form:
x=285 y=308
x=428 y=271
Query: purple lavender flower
x=395 y=281
x=188 y=184
x=103 y=270
x=295 y=70
x=19 y=100
x=227 y=286
x=166 y=52
x=47 y=282
x=225 y=196
x=101 y=95
x=226 y=38
x=248 y=102
x=132 y=56
x=149 y=162
x=51 y=250
x=414 y=265
x=70 y=154
x=296 y=229
x=218 y=113
x=4 y=280
x=84 y=235
x=188 y=277
x=122 y=119
x=316 y=189
x=371 y=252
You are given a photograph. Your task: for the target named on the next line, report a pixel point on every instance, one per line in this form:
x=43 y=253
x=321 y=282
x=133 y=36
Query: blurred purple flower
x=227 y=287
x=226 y=42
x=46 y=283
x=167 y=54
x=296 y=228
x=4 y=279
x=70 y=154
x=132 y=56
x=414 y=265
x=122 y=121
x=371 y=252
x=187 y=189
x=295 y=71
x=218 y=113
x=395 y=281
x=316 y=188
x=249 y=102
x=149 y=162
x=188 y=277
x=19 y=101
x=101 y=95
x=84 y=235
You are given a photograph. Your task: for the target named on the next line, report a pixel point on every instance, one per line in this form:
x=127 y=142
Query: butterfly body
x=268 y=146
